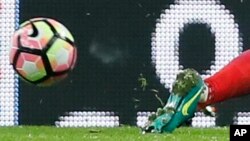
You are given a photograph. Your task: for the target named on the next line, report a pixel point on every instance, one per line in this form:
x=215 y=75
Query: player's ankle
x=204 y=95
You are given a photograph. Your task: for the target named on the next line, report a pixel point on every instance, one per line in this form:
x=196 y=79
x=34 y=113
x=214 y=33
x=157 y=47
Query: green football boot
x=186 y=108
x=181 y=104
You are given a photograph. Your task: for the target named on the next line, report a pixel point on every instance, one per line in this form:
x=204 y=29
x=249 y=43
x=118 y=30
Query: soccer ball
x=42 y=51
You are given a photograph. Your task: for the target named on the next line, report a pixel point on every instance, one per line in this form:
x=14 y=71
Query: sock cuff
x=204 y=94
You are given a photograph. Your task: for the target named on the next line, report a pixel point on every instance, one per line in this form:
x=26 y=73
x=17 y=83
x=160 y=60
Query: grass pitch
x=124 y=133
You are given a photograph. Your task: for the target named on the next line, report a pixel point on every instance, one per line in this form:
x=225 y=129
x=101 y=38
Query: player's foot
x=186 y=108
x=181 y=104
x=156 y=125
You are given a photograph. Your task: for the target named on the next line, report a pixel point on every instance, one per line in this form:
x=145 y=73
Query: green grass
x=126 y=133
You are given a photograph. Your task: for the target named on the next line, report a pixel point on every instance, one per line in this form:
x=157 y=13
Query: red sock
x=231 y=81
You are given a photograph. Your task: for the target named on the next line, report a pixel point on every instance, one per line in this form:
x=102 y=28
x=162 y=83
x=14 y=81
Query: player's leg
x=231 y=81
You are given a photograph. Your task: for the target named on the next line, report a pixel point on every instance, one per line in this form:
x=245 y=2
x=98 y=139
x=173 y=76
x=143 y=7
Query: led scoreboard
x=117 y=41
